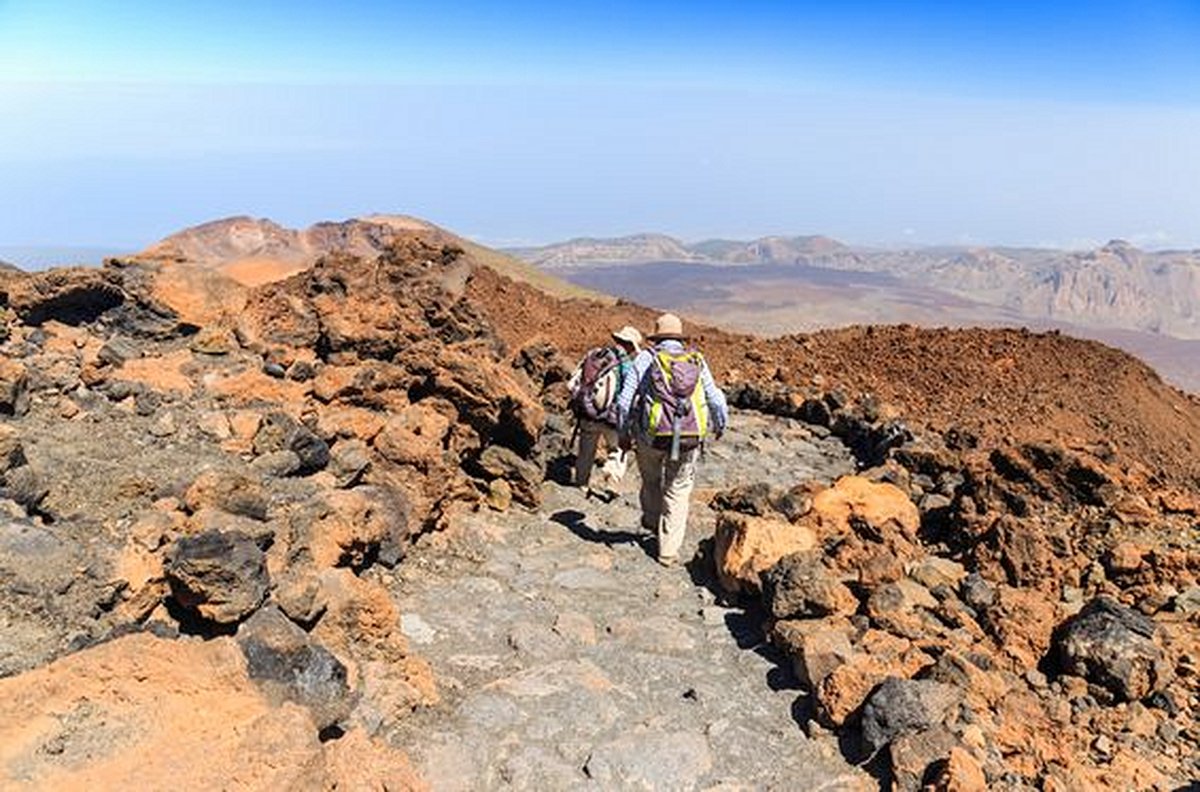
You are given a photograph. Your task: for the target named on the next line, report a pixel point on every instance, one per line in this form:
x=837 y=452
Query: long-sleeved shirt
x=634 y=386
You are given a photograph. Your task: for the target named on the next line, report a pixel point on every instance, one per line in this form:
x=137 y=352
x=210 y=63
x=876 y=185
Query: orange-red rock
x=746 y=546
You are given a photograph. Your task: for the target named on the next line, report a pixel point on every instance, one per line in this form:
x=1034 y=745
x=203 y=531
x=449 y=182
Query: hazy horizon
x=869 y=122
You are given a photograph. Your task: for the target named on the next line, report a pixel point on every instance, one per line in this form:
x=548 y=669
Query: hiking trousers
x=615 y=460
x=666 y=488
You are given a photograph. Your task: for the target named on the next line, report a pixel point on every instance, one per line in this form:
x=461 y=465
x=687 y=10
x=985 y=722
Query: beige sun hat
x=667 y=326
x=629 y=334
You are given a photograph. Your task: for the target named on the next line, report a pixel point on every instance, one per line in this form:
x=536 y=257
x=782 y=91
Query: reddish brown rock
x=746 y=546
x=351 y=527
x=961 y=772
x=855 y=504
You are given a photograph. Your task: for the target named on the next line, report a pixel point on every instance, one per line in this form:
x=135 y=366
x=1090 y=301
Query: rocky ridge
x=223 y=504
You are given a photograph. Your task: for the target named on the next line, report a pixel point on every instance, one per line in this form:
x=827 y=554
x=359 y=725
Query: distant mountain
x=640 y=248
x=634 y=248
x=4 y=265
x=1115 y=286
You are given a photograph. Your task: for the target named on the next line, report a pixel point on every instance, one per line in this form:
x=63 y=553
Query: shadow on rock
x=576 y=522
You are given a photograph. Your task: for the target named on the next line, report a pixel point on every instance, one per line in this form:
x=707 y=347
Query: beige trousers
x=615 y=460
x=666 y=488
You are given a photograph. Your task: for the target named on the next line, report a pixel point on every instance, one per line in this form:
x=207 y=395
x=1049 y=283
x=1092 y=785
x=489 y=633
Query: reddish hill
x=998 y=384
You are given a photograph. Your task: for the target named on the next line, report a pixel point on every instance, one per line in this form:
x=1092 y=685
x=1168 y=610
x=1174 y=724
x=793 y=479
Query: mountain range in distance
x=1147 y=302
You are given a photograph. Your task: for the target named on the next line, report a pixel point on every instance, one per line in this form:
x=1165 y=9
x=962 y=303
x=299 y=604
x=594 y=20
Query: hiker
x=594 y=388
x=667 y=409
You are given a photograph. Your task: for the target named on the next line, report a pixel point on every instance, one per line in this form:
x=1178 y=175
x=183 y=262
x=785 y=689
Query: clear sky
x=1063 y=123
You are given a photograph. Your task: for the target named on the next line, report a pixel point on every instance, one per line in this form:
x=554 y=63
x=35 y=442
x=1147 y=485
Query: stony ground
x=568 y=658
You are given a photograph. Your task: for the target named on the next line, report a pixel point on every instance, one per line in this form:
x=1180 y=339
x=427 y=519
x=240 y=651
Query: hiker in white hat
x=594 y=388
x=669 y=406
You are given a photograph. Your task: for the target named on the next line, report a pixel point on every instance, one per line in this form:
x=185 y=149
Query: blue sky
x=880 y=123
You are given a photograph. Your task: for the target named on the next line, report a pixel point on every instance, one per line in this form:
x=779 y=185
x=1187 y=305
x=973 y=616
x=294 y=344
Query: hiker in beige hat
x=594 y=388
x=668 y=407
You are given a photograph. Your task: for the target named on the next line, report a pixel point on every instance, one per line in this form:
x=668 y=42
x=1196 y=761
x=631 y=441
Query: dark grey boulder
x=219 y=575
x=905 y=706
x=1112 y=646
x=288 y=665
x=800 y=586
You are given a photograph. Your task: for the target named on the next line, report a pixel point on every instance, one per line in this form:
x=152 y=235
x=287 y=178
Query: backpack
x=594 y=396
x=676 y=408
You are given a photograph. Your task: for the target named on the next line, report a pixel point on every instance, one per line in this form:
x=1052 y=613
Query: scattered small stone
x=214 y=340
x=118 y=350
x=24 y=486
x=301 y=371
x=14 y=387
x=163 y=425
x=1188 y=600
x=12 y=452
x=936 y=571
x=276 y=464
x=275 y=370
x=977 y=592
x=500 y=495
x=348 y=460
x=147 y=403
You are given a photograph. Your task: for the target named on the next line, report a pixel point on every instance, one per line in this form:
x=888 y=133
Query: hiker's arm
x=718 y=411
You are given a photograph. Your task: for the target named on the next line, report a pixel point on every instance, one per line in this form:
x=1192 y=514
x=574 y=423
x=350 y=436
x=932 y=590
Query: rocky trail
x=569 y=659
x=310 y=534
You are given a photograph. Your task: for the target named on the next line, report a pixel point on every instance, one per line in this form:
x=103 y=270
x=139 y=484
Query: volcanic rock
x=12 y=452
x=902 y=706
x=1112 y=646
x=816 y=648
x=23 y=485
x=524 y=476
x=227 y=491
x=222 y=576
x=289 y=666
x=746 y=546
x=351 y=527
x=800 y=586
x=14 y=387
